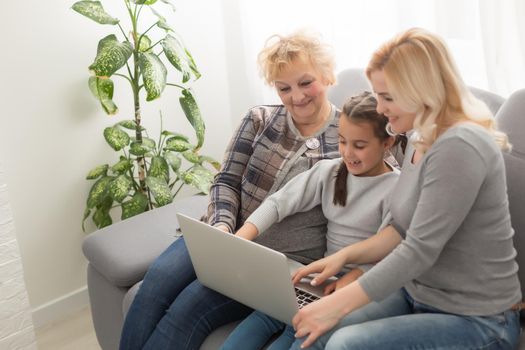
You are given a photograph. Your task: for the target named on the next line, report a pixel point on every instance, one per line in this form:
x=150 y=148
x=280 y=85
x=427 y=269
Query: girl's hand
x=223 y=227
x=343 y=281
x=326 y=267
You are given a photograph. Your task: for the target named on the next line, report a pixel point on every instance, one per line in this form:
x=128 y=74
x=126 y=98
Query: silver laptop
x=245 y=271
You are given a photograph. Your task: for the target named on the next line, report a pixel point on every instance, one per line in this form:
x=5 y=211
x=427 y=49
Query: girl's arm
x=367 y=251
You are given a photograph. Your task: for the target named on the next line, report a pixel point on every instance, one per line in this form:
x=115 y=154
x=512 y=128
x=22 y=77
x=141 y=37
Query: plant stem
x=176 y=85
x=123 y=32
x=176 y=192
x=152 y=46
x=126 y=77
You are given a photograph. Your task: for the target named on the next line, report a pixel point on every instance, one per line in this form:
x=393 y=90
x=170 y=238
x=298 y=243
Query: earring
x=389 y=130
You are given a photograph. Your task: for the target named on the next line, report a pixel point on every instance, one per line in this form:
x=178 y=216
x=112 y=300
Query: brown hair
x=361 y=108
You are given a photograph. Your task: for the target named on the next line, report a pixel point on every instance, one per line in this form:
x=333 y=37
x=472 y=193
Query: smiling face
x=361 y=149
x=303 y=92
x=400 y=120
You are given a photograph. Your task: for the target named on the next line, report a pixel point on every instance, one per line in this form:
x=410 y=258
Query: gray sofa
x=119 y=255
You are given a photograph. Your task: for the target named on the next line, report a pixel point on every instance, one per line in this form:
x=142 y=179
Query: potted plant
x=149 y=172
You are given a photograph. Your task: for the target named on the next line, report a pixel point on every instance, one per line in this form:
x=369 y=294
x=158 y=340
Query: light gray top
x=362 y=216
x=452 y=208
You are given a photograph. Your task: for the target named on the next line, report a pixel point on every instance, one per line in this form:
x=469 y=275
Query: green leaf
x=145 y=44
x=199 y=178
x=176 y=54
x=94 y=11
x=99 y=191
x=144 y=2
x=162 y=24
x=101 y=170
x=120 y=187
x=193 y=66
x=160 y=190
x=129 y=124
x=168 y=2
x=191 y=156
x=116 y=138
x=102 y=88
x=111 y=56
x=176 y=144
x=212 y=161
x=176 y=135
x=193 y=114
x=159 y=168
x=153 y=74
x=150 y=143
x=173 y=160
x=122 y=166
x=138 y=149
x=101 y=217
x=87 y=212
x=136 y=205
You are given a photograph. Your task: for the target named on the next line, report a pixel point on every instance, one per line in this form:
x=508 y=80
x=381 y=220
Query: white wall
x=51 y=128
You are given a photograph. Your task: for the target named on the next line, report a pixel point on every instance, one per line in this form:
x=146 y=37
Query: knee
x=343 y=339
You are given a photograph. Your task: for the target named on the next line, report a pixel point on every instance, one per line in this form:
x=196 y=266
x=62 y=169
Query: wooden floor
x=75 y=332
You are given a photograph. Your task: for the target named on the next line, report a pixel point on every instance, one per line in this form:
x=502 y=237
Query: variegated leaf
x=101 y=170
x=191 y=156
x=168 y=2
x=173 y=160
x=145 y=44
x=199 y=178
x=102 y=88
x=116 y=138
x=111 y=56
x=144 y=2
x=176 y=54
x=120 y=187
x=159 y=168
x=94 y=11
x=136 y=205
x=160 y=190
x=175 y=135
x=153 y=74
x=193 y=66
x=176 y=144
x=210 y=160
x=138 y=149
x=87 y=212
x=130 y=125
x=123 y=166
x=162 y=24
x=101 y=217
x=99 y=191
x=193 y=114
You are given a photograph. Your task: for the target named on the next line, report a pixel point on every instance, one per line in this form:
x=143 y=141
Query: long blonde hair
x=422 y=78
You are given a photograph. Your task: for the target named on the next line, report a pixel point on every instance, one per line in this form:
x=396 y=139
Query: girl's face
x=361 y=149
x=303 y=92
x=400 y=120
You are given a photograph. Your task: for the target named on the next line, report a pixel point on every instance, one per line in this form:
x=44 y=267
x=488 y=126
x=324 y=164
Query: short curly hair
x=281 y=51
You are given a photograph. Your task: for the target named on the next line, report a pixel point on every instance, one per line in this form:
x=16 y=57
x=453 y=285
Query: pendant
x=313 y=143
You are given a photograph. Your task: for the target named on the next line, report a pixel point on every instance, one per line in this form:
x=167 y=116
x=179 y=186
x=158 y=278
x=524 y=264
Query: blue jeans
x=399 y=322
x=256 y=330
x=172 y=310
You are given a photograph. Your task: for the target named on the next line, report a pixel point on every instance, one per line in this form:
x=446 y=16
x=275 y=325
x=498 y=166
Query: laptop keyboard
x=304 y=298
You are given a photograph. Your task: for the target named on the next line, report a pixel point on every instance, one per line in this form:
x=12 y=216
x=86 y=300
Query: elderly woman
x=273 y=143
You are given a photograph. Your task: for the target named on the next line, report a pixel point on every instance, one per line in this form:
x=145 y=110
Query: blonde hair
x=280 y=52
x=422 y=78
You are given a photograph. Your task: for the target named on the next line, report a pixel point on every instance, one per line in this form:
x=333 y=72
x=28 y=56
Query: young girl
x=351 y=191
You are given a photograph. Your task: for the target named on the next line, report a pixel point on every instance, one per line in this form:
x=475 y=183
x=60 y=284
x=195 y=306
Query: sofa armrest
x=123 y=251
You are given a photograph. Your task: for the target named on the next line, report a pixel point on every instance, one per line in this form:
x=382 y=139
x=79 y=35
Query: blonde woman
x=452 y=281
x=273 y=143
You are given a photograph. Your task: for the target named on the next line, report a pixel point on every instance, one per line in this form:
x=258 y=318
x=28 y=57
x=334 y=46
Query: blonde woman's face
x=400 y=120
x=303 y=92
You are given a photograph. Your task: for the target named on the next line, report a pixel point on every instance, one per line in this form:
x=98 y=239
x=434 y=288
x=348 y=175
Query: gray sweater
x=362 y=216
x=452 y=208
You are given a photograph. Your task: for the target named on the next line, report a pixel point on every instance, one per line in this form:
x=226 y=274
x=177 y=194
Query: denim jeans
x=399 y=322
x=172 y=310
x=256 y=330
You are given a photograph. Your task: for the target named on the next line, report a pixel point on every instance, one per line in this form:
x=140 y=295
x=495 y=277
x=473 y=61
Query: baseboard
x=61 y=307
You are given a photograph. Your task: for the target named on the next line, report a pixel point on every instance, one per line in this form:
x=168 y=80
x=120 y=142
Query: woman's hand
x=326 y=267
x=322 y=315
x=343 y=281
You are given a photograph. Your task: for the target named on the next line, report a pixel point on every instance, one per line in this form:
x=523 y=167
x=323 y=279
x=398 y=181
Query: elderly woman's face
x=303 y=92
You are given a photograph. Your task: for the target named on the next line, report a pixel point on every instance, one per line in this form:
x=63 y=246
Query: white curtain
x=482 y=34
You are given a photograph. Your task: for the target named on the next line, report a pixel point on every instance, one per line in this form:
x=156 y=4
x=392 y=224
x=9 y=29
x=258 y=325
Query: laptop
x=250 y=273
